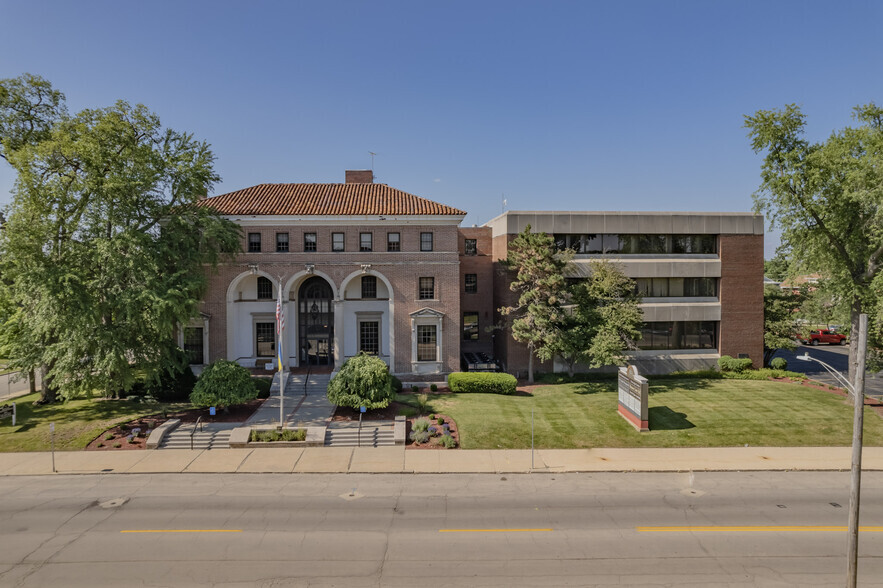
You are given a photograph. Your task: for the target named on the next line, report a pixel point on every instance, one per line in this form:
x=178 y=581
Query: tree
x=603 y=320
x=105 y=255
x=826 y=197
x=777 y=267
x=542 y=292
x=779 y=309
x=363 y=380
x=223 y=384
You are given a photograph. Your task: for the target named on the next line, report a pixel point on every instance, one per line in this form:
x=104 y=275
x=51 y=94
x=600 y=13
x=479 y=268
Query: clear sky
x=553 y=105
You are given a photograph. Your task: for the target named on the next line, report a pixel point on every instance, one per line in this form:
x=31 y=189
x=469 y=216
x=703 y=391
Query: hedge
x=728 y=363
x=488 y=383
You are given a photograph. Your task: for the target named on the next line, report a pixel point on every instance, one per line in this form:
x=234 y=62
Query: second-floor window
x=471 y=247
x=365 y=241
x=393 y=242
x=426 y=289
x=471 y=281
x=425 y=241
x=254 y=242
x=337 y=242
x=282 y=242
x=265 y=288
x=369 y=287
x=309 y=241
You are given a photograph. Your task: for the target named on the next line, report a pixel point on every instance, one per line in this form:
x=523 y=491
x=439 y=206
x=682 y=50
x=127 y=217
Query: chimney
x=359 y=176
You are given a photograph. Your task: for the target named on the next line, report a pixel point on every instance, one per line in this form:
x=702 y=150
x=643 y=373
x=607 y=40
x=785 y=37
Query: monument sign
x=633 y=398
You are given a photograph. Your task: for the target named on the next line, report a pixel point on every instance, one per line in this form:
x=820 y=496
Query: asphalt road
x=711 y=529
x=837 y=356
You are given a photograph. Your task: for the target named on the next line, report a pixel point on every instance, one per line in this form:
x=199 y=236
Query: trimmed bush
x=363 y=380
x=414 y=388
x=488 y=383
x=433 y=388
x=420 y=436
x=448 y=442
x=396 y=384
x=728 y=363
x=779 y=363
x=222 y=384
x=263 y=387
x=420 y=425
x=173 y=384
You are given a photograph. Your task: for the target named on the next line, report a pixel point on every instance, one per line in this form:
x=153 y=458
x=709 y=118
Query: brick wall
x=481 y=301
x=741 y=296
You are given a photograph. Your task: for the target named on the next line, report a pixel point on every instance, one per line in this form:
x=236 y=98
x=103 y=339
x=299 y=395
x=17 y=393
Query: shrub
x=420 y=425
x=414 y=388
x=779 y=363
x=489 y=383
x=432 y=431
x=728 y=363
x=223 y=383
x=433 y=387
x=441 y=420
x=396 y=384
x=263 y=387
x=117 y=445
x=422 y=403
x=448 y=442
x=108 y=437
x=100 y=445
x=131 y=439
x=175 y=383
x=294 y=435
x=763 y=374
x=363 y=380
x=709 y=374
x=419 y=436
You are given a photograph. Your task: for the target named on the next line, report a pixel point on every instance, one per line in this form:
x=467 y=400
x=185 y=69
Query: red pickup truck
x=829 y=336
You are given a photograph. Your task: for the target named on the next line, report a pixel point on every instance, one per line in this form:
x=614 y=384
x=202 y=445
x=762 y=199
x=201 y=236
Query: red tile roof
x=325 y=200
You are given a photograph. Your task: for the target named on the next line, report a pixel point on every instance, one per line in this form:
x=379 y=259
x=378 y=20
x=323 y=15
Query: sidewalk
x=398 y=460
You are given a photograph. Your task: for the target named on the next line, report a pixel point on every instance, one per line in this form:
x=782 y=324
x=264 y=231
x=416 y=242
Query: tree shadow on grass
x=662 y=418
x=662 y=386
x=523 y=393
x=593 y=388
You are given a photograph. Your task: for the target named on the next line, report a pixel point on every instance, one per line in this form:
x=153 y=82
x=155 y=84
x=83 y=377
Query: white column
x=337 y=305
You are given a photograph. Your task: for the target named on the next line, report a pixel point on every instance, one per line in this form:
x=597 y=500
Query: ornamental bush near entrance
x=223 y=383
x=489 y=383
x=363 y=380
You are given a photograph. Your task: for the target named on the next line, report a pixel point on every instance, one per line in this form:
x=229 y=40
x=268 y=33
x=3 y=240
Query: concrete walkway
x=398 y=460
x=310 y=409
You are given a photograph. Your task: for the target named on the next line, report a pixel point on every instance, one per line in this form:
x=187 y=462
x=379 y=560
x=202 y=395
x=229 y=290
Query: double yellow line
x=756 y=529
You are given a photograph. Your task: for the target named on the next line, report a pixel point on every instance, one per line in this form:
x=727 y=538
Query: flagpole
x=280 y=326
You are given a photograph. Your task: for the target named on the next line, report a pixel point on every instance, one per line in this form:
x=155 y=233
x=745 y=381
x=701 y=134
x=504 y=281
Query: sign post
x=52 y=443
x=362 y=411
x=633 y=395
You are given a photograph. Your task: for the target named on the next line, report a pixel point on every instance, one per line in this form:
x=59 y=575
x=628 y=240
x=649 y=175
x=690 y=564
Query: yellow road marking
x=181 y=531
x=492 y=530
x=754 y=529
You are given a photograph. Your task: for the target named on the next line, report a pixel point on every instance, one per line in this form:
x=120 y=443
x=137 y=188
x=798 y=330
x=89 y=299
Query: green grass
x=76 y=422
x=683 y=413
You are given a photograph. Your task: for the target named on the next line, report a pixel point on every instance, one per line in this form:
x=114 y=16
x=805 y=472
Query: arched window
x=265 y=288
x=369 y=287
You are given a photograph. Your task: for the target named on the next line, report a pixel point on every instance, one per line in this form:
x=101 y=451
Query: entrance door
x=266 y=339
x=316 y=322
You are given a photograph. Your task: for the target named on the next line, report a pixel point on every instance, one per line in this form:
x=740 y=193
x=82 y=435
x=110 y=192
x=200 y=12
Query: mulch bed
x=120 y=433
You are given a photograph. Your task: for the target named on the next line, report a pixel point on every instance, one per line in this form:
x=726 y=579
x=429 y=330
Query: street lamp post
x=858 y=401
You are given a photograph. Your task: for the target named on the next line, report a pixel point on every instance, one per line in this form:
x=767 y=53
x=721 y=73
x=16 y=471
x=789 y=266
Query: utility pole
x=858 y=399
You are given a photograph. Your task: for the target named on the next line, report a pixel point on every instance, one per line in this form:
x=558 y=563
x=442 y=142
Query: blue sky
x=556 y=105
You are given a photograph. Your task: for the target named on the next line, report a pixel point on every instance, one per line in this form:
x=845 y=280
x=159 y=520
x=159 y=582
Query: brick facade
x=482 y=300
x=741 y=296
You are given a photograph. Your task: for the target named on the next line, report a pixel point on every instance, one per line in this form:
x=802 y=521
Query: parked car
x=829 y=336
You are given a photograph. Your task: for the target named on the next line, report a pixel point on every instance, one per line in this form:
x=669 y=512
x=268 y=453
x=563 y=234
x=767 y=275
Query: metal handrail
x=307 y=379
x=193 y=432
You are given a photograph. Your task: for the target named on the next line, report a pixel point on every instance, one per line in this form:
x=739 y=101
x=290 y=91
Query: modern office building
x=367 y=267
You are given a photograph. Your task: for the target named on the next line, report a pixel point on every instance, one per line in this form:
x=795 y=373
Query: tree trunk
x=48 y=393
x=530 y=364
x=32 y=381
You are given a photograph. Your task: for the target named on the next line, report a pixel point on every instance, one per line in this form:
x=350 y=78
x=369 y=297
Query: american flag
x=280 y=326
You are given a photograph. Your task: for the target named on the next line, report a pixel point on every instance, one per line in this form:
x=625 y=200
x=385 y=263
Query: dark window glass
x=426 y=289
x=471 y=247
x=470 y=326
x=365 y=241
x=265 y=288
x=337 y=243
x=254 y=242
x=369 y=287
x=393 y=242
x=643 y=286
x=679 y=335
x=282 y=242
x=611 y=244
x=266 y=339
x=425 y=241
x=193 y=345
x=471 y=281
x=369 y=337
x=426 y=343
x=660 y=287
x=309 y=241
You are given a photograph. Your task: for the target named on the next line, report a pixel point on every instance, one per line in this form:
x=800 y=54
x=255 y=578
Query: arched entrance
x=315 y=315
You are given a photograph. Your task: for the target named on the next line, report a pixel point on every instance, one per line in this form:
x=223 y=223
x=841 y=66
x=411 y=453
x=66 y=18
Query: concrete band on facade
x=426 y=336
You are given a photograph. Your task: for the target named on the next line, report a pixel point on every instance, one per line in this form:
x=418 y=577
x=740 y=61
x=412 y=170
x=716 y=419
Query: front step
x=213 y=436
x=373 y=435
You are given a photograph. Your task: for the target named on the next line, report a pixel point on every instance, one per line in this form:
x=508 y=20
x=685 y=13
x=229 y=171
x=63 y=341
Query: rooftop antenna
x=372 y=159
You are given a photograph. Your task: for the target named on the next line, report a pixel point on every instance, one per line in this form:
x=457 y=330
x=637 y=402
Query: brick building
x=363 y=266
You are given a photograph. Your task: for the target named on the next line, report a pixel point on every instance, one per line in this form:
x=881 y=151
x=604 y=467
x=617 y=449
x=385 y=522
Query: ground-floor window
x=426 y=343
x=470 y=326
x=193 y=345
x=369 y=337
x=679 y=335
x=265 y=333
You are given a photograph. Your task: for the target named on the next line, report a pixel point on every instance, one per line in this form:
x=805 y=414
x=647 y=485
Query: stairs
x=374 y=434
x=212 y=436
x=317 y=385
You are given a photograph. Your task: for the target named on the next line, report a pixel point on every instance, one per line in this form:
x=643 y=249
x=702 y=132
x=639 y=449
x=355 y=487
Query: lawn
x=683 y=413
x=76 y=422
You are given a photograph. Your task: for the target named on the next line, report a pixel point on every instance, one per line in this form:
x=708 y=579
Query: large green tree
x=104 y=253
x=779 y=311
x=826 y=198
x=603 y=320
x=538 y=269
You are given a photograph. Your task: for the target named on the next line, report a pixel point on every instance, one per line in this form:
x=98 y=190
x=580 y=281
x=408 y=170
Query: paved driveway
x=836 y=356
